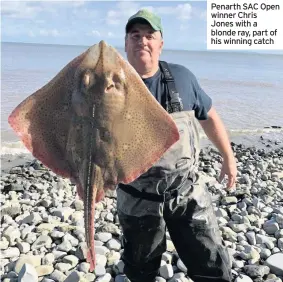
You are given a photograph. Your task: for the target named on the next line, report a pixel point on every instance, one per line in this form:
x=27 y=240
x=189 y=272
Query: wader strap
x=168 y=195
x=144 y=195
x=175 y=104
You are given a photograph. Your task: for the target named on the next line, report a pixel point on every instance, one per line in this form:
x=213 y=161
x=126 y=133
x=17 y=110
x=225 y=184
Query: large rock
x=103 y=236
x=11 y=252
x=31 y=260
x=12 y=233
x=275 y=263
x=28 y=274
x=166 y=271
x=42 y=241
x=43 y=270
x=255 y=271
x=270 y=226
x=105 y=278
x=74 y=276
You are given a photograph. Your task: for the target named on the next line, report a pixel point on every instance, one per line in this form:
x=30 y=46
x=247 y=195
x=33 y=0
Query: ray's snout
x=105 y=62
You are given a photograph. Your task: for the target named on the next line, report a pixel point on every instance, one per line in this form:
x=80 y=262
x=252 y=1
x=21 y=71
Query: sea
x=246 y=88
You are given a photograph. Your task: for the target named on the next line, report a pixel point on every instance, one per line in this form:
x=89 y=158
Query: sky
x=88 y=22
x=85 y=23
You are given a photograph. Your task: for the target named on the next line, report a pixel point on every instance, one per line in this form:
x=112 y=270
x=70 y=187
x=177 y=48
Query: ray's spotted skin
x=96 y=123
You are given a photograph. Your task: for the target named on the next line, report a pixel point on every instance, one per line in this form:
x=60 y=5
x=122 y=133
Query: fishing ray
x=96 y=123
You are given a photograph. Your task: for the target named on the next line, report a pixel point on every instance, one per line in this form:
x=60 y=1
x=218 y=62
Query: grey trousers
x=193 y=228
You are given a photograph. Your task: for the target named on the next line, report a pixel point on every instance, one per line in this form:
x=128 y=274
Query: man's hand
x=229 y=168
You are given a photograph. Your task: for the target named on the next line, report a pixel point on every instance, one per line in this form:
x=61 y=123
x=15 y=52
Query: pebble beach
x=42 y=222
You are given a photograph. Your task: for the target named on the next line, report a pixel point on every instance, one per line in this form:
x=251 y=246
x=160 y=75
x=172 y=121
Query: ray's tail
x=90 y=199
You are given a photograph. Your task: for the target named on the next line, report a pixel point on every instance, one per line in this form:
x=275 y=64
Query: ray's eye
x=87 y=79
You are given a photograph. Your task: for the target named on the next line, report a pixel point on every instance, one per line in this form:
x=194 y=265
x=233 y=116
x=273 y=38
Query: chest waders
x=171 y=196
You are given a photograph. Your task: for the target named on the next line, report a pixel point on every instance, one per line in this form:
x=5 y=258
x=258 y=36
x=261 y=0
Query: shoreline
x=8 y=161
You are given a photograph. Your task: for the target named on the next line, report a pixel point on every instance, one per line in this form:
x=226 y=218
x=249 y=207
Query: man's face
x=143 y=46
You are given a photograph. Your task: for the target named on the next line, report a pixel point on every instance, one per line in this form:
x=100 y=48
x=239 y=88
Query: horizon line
x=253 y=52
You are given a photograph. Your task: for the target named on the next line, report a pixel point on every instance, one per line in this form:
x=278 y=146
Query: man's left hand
x=229 y=168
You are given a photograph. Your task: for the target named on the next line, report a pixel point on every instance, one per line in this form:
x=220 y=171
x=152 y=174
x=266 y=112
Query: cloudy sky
x=87 y=22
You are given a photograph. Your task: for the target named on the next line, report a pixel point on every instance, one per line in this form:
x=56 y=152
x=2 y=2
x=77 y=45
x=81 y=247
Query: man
x=170 y=194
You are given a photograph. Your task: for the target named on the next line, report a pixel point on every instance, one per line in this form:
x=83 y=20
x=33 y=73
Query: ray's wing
x=144 y=132
x=42 y=120
x=140 y=130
